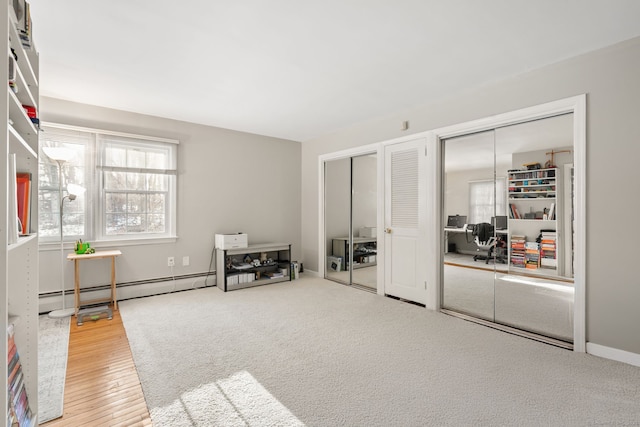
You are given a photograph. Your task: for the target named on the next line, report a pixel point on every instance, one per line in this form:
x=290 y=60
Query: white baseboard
x=613 y=354
x=311 y=273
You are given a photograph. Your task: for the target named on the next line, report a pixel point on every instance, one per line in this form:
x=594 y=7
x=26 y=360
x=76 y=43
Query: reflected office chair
x=486 y=242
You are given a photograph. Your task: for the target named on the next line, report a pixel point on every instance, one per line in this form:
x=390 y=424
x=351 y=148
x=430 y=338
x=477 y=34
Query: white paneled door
x=405 y=220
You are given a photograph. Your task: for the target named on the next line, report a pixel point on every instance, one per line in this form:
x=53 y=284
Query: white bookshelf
x=19 y=254
x=534 y=198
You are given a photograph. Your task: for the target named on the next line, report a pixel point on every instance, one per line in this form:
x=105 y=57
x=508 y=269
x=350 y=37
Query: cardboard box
x=231 y=241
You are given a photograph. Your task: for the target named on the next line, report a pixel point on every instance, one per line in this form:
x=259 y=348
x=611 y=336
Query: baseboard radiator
x=48 y=301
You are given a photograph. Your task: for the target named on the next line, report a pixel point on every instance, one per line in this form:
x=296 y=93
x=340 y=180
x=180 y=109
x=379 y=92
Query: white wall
x=227 y=182
x=610 y=79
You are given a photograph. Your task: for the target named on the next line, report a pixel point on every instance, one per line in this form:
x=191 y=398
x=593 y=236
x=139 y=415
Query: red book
x=23 y=190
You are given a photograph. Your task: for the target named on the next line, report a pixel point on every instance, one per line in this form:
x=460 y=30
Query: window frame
x=95 y=192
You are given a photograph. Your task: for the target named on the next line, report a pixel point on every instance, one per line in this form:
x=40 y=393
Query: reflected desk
x=96 y=255
x=448 y=230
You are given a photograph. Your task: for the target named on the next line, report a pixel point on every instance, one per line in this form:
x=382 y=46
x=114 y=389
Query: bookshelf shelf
x=17 y=144
x=537 y=195
x=20 y=257
x=21 y=121
x=22 y=240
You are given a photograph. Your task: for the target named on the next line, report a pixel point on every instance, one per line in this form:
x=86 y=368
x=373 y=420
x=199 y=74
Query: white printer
x=231 y=241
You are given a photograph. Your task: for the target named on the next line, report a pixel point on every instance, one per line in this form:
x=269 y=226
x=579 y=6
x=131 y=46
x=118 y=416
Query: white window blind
x=486 y=199
x=137 y=179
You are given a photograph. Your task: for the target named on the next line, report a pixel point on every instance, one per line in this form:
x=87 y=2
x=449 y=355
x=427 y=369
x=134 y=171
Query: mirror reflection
x=508 y=215
x=350 y=221
x=337 y=212
x=364 y=221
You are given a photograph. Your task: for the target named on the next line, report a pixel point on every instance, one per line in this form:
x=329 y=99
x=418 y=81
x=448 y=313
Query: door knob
x=387 y=230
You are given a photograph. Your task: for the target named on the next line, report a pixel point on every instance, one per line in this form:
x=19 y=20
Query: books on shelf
x=23 y=192
x=513 y=211
x=18 y=410
x=548 y=249
x=13 y=218
x=274 y=274
x=532 y=174
x=532 y=255
x=552 y=211
x=518 y=250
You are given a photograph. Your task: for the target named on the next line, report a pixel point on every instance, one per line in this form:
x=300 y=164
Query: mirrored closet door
x=350 y=207
x=512 y=264
x=471 y=195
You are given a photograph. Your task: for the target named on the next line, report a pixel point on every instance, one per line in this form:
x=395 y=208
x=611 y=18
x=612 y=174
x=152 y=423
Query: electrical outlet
x=171 y=261
x=185 y=260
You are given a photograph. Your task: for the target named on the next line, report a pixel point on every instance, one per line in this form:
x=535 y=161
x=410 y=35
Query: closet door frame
x=376 y=148
x=575 y=105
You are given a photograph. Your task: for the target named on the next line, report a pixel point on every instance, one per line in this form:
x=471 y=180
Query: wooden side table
x=96 y=255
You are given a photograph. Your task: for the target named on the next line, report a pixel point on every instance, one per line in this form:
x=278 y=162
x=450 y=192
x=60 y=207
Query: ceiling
x=302 y=69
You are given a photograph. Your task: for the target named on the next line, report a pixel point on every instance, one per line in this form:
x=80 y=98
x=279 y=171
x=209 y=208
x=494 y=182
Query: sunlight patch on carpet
x=238 y=400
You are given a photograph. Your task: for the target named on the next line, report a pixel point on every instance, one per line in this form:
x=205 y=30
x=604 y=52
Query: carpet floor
x=53 y=347
x=316 y=353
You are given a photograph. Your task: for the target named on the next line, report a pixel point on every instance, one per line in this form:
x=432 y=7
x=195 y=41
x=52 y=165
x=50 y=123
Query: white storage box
x=334 y=263
x=231 y=241
x=367 y=232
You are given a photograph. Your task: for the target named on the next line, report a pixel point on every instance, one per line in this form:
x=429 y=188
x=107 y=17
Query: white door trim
x=576 y=105
x=378 y=149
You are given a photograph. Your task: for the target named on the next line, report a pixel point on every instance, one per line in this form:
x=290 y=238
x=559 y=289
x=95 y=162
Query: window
x=130 y=184
x=486 y=200
x=73 y=171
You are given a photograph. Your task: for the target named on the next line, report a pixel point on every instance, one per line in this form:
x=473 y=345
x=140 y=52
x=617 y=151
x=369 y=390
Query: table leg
x=76 y=285
x=113 y=283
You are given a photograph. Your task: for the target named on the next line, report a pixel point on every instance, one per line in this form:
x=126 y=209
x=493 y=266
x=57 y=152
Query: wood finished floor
x=102 y=386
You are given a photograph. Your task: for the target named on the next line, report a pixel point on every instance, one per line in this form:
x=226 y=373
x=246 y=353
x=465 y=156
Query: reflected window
x=485 y=200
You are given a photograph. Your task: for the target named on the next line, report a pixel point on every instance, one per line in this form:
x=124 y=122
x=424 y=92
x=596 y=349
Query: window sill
x=103 y=244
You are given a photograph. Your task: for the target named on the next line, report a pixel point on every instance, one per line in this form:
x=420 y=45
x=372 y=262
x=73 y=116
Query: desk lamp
x=61 y=155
